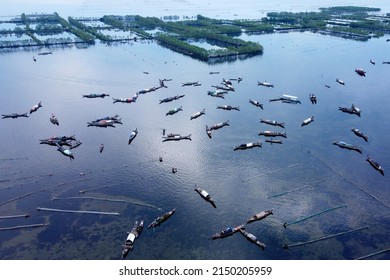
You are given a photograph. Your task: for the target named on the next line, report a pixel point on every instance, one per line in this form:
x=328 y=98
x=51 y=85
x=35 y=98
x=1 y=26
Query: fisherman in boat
x=313 y=98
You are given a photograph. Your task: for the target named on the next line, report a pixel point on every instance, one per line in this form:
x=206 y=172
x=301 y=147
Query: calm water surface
x=319 y=175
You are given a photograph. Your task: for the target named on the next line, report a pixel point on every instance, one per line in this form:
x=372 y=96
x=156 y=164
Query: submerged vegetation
x=358 y=23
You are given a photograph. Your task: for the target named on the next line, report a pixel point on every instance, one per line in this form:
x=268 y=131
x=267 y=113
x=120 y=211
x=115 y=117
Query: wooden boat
x=376 y=165
x=133 y=234
x=176 y=137
x=266 y=84
x=206 y=196
x=54 y=120
x=198 y=114
x=256 y=103
x=268 y=133
x=226 y=232
x=360 y=72
x=275 y=123
x=248 y=146
x=348 y=146
x=159 y=220
x=307 y=121
x=252 y=238
x=133 y=134
x=359 y=133
x=260 y=216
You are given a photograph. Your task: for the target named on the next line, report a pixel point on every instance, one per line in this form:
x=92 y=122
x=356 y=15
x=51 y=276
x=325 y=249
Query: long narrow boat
x=248 y=146
x=348 y=146
x=133 y=234
x=271 y=122
x=198 y=114
x=268 y=133
x=360 y=134
x=206 y=196
x=252 y=238
x=176 y=137
x=159 y=220
x=256 y=103
x=226 y=232
x=260 y=216
x=376 y=165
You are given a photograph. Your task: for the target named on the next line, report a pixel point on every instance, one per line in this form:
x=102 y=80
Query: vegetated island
x=49 y=30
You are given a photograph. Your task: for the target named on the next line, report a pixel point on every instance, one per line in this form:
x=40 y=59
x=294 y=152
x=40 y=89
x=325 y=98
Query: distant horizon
x=212 y=8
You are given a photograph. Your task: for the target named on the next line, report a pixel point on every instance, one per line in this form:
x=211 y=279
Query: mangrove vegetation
x=45 y=30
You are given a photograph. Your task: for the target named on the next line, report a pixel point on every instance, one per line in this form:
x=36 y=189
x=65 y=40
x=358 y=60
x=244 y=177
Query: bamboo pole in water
x=15 y=216
x=77 y=211
x=373 y=254
x=286 y=192
x=296 y=189
x=111 y=200
x=24 y=226
x=19 y=197
x=350 y=181
x=93 y=189
x=269 y=172
x=286 y=246
x=311 y=216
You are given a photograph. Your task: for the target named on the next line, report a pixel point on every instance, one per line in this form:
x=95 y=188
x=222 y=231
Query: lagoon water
x=310 y=174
